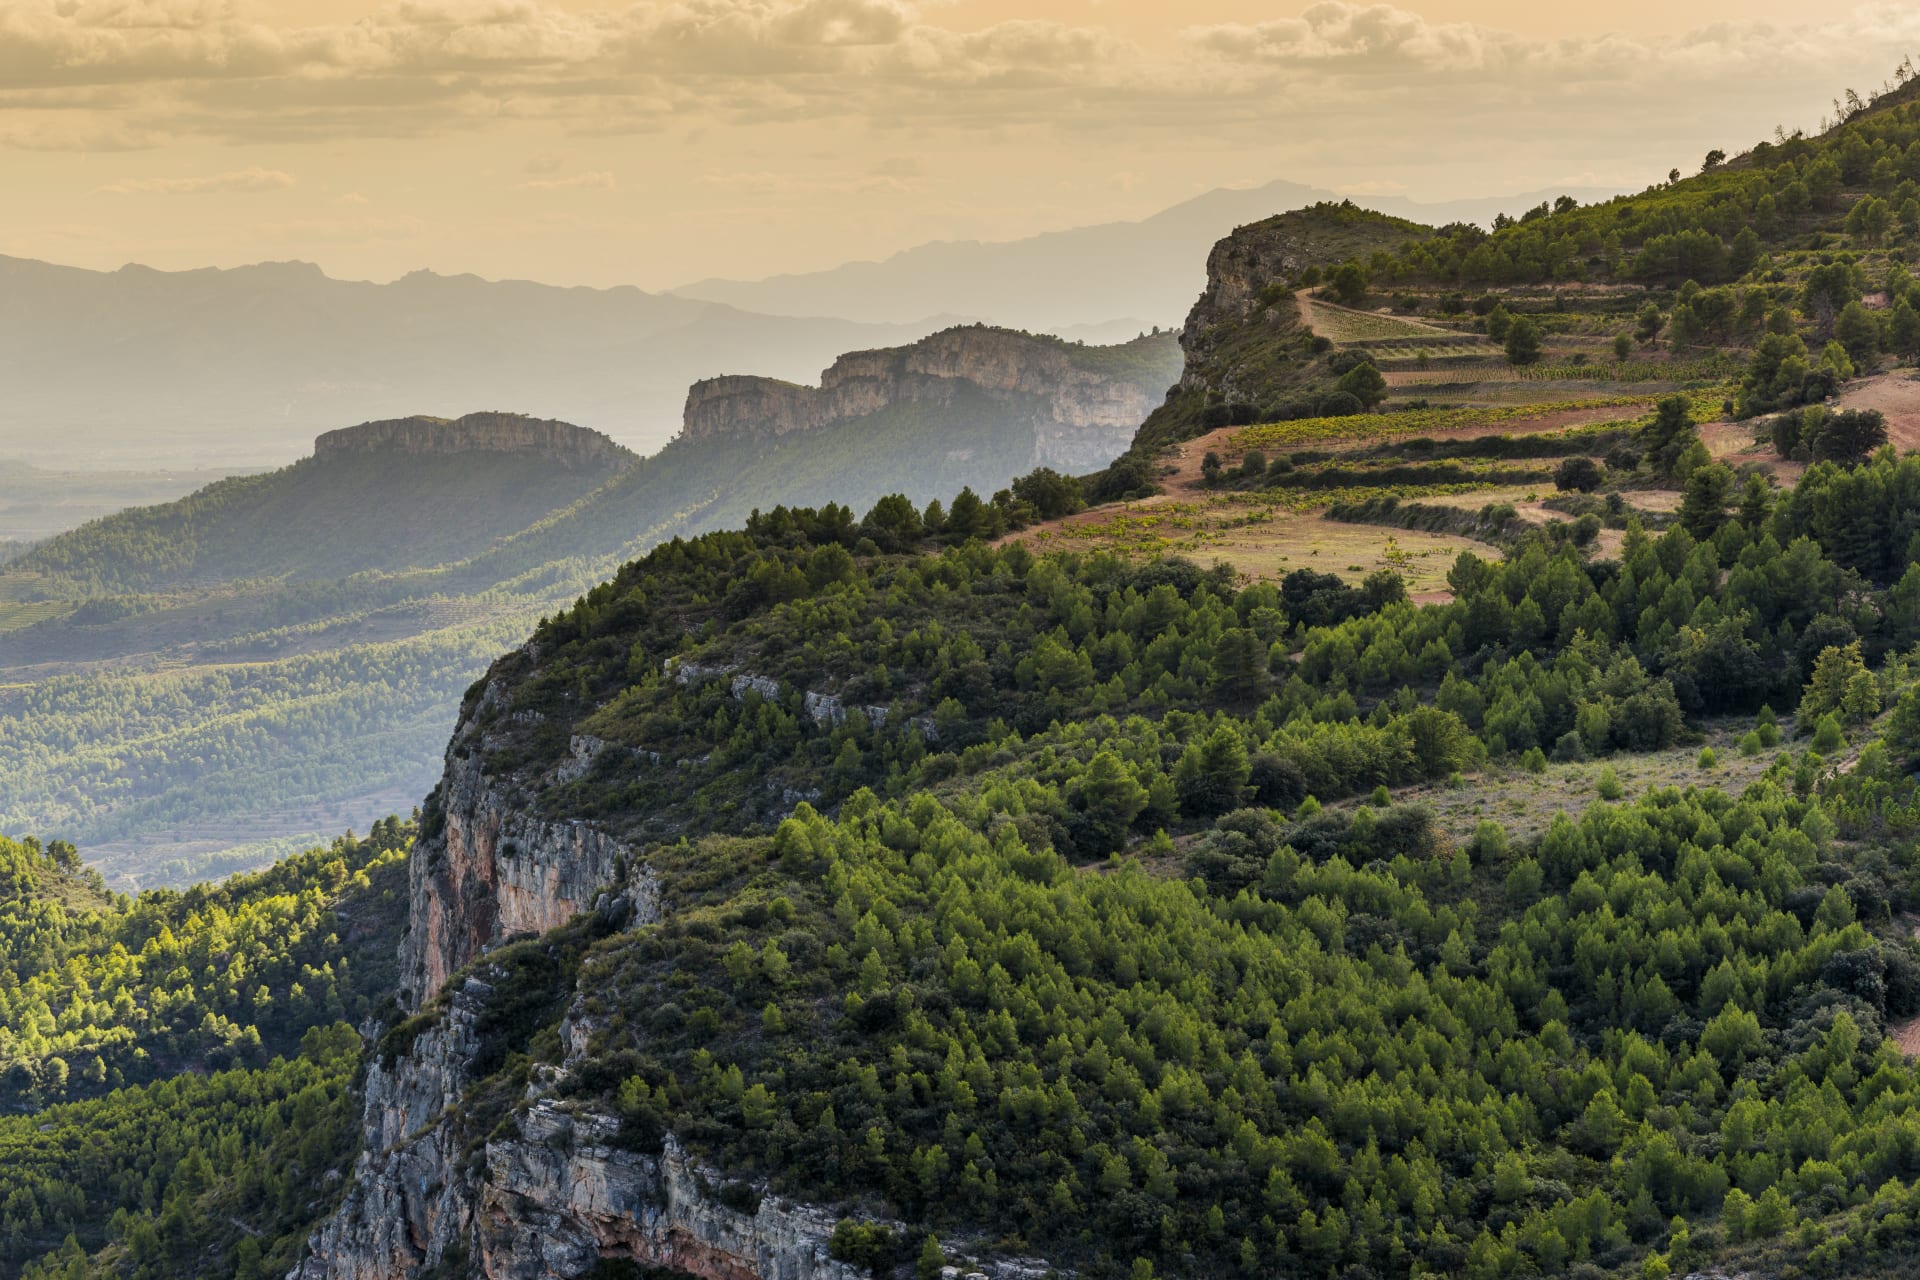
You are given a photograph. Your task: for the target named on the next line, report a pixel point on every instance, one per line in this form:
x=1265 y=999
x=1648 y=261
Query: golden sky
x=658 y=142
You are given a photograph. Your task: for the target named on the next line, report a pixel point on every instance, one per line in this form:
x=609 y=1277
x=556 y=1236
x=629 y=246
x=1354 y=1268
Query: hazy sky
x=656 y=143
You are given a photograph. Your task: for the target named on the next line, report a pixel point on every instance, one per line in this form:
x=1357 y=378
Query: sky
x=657 y=143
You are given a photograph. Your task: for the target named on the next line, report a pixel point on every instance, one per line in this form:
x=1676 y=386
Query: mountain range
x=239 y=368
x=1440 y=803
x=1102 y=282
x=242 y=367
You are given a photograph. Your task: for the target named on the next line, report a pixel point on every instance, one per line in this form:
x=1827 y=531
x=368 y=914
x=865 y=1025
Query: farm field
x=1349 y=325
x=1445 y=387
x=1260 y=540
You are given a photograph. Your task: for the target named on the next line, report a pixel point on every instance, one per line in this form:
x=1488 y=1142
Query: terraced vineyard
x=1348 y=325
x=1462 y=425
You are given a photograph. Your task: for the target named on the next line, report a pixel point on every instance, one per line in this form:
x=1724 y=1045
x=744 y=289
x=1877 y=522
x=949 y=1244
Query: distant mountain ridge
x=239 y=368
x=511 y=433
x=1083 y=402
x=243 y=367
x=1136 y=274
x=402 y=494
x=285 y=651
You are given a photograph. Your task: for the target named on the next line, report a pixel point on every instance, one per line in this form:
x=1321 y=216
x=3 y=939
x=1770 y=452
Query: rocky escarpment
x=407 y=1205
x=457 y=1179
x=1247 y=353
x=544 y=1201
x=488 y=869
x=1251 y=276
x=1082 y=403
x=560 y=442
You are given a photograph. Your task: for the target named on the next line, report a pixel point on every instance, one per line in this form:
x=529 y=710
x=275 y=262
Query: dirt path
x=1303 y=299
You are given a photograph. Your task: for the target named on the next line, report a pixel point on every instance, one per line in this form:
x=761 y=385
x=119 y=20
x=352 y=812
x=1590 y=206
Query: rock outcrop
x=1247 y=351
x=561 y=1195
x=551 y=1198
x=444 y=1186
x=492 y=870
x=547 y=1201
x=408 y=1205
x=477 y=433
x=1083 y=407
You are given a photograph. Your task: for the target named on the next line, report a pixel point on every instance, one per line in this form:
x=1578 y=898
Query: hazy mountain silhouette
x=1099 y=282
x=243 y=367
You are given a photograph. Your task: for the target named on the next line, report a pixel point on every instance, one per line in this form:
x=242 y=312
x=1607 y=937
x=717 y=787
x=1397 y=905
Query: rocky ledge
x=1082 y=412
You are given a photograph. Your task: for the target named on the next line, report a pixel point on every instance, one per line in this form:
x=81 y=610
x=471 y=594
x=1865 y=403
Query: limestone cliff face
x=492 y=870
x=1245 y=296
x=408 y=1205
x=545 y=1202
x=439 y=1192
x=476 y=433
x=560 y=1196
x=553 y=1197
x=1081 y=412
x=1244 y=343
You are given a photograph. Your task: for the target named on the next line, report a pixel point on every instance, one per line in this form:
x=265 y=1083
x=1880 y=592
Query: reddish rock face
x=493 y=870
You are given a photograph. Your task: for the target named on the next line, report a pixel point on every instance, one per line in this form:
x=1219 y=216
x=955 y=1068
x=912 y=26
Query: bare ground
x=1897 y=395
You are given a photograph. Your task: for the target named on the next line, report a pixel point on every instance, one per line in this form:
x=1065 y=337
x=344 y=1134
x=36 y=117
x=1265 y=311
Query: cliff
x=1082 y=403
x=515 y=433
x=456 y=1178
x=546 y=1195
x=1243 y=343
x=489 y=869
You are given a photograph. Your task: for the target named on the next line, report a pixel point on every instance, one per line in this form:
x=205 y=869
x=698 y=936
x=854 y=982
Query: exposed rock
x=1082 y=415
x=556 y=1193
x=491 y=871
x=1246 y=296
x=560 y=1196
x=550 y=1202
x=694 y=672
x=766 y=686
x=477 y=433
x=1244 y=341
x=408 y=1204
x=824 y=709
x=583 y=752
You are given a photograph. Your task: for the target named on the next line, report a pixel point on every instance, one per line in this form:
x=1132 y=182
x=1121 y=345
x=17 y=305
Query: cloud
x=599 y=180
x=192 y=67
x=1365 y=41
x=135 y=72
x=254 y=179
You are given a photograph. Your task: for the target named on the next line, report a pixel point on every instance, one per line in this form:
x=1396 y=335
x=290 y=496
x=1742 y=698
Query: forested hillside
x=1084 y=961
x=1026 y=891
x=332 y=515
x=1443 y=805
x=176 y=1070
